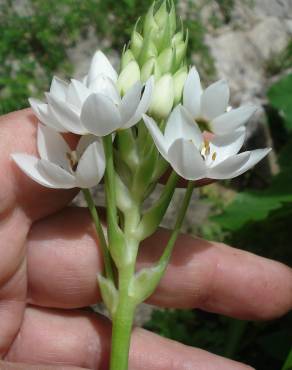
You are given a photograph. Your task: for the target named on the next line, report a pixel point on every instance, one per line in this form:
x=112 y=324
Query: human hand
x=49 y=259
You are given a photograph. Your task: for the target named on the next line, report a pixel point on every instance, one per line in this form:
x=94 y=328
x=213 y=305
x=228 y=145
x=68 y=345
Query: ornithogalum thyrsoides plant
x=134 y=127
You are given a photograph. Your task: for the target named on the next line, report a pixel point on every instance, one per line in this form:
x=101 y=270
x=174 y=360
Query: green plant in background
x=36 y=35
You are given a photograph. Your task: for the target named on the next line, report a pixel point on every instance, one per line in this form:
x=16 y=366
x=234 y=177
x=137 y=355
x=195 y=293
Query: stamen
x=73 y=160
x=214 y=155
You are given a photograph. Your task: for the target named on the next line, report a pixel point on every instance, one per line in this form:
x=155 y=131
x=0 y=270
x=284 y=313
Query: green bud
x=148 y=50
x=162 y=97
x=136 y=44
x=172 y=18
x=150 y=68
x=180 y=51
x=177 y=38
x=128 y=77
x=166 y=60
x=179 y=80
x=127 y=57
x=161 y=15
x=149 y=22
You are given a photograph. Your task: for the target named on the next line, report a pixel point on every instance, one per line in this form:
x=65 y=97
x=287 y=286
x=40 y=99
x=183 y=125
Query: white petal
x=130 y=102
x=100 y=115
x=181 y=125
x=30 y=166
x=52 y=146
x=59 y=88
x=186 y=160
x=101 y=65
x=83 y=143
x=91 y=166
x=143 y=105
x=226 y=146
x=104 y=85
x=67 y=115
x=192 y=93
x=77 y=93
x=255 y=156
x=157 y=136
x=45 y=114
x=56 y=175
x=215 y=100
x=229 y=167
x=232 y=120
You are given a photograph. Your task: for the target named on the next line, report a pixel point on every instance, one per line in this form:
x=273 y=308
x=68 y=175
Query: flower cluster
x=154 y=84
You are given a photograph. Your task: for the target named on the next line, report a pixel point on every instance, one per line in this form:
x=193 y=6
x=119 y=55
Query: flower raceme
x=58 y=166
x=95 y=105
x=209 y=107
x=193 y=157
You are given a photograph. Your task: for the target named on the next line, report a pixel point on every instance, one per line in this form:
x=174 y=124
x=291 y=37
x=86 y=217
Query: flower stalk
x=99 y=230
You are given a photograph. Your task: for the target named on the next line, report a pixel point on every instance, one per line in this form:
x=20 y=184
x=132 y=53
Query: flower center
x=206 y=151
x=73 y=160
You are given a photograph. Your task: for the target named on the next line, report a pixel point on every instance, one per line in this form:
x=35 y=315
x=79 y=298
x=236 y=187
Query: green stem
x=100 y=233
x=153 y=217
x=180 y=218
x=110 y=183
x=122 y=323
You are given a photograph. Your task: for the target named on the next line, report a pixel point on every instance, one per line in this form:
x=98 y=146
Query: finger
x=21 y=200
x=63 y=259
x=81 y=339
x=18 y=135
x=16 y=366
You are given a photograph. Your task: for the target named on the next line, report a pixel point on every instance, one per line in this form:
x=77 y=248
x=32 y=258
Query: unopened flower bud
x=178 y=37
x=127 y=57
x=166 y=60
x=179 y=80
x=161 y=15
x=162 y=97
x=136 y=44
x=128 y=77
x=150 y=68
x=180 y=52
x=149 y=22
x=148 y=50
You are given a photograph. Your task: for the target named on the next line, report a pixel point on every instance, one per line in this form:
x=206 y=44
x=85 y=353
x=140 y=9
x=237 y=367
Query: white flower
x=61 y=167
x=83 y=107
x=209 y=107
x=193 y=157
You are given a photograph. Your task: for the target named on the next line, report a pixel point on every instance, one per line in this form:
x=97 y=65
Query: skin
x=49 y=258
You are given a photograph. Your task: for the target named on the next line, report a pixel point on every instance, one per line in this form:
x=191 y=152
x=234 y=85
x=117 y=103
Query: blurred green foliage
x=36 y=36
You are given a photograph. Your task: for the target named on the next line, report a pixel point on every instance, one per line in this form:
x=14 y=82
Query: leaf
x=255 y=206
x=288 y=364
x=280 y=97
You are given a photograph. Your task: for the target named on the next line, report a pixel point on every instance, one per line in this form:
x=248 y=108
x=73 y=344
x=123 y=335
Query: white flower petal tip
x=233 y=119
x=60 y=168
x=30 y=166
x=100 y=65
